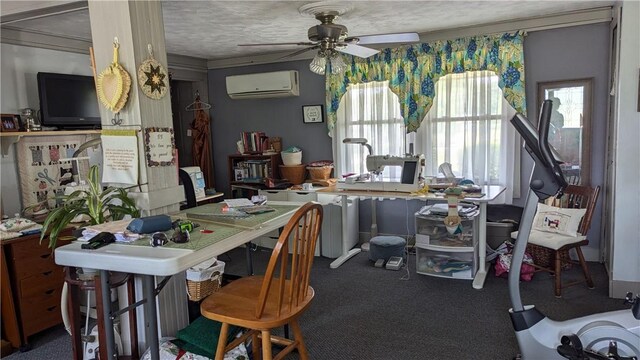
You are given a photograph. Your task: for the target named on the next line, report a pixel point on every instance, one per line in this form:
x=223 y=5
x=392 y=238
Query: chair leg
x=222 y=341
x=585 y=269
x=556 y=275
x=297 y=335
x=255 y=346
x=266 y=345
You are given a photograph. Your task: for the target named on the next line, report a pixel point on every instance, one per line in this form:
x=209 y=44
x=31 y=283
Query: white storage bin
x=291 y=158
x=435 y=261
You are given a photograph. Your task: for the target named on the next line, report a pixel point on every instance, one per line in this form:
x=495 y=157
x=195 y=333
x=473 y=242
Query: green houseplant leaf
x=97 y=203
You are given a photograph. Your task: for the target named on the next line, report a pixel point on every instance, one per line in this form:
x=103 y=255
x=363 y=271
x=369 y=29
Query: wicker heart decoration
x=113 y=84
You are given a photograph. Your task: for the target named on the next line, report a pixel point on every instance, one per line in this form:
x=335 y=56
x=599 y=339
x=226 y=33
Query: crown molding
x=42 y=40
x=574 y=18
x=29 y=10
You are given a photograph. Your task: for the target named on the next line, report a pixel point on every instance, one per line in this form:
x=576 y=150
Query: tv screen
x=68 y=101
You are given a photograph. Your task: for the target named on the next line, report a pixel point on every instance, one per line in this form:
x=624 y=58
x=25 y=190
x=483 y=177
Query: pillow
x=558 y=220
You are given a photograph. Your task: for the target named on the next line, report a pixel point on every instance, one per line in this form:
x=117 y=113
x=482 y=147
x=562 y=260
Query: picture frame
x=312 y=114
x=10 y=123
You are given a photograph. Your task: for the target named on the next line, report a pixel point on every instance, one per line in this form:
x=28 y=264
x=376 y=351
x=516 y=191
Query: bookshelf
x=252 y=169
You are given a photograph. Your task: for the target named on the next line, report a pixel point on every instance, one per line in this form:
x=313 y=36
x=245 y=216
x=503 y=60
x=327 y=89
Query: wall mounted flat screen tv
x=68 y=101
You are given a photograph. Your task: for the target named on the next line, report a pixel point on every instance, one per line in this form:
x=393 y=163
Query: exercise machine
x=609 y=335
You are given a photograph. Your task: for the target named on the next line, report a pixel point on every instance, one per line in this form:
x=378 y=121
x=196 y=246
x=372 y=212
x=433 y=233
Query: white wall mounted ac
x=263 y=85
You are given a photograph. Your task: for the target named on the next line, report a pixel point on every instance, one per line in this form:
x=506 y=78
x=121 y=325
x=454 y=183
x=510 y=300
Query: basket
x=544 y=257
x=204 y=282
x=295 y=173
x=320 y=172
x=198 y=290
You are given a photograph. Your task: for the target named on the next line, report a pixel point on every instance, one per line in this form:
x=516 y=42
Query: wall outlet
x=188 y=132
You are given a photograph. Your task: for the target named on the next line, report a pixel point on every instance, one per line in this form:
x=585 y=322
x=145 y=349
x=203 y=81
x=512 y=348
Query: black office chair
x=189 y=192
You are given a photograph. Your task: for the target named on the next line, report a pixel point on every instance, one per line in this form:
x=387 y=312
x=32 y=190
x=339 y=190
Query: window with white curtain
x=371 y=111
x=468 y=126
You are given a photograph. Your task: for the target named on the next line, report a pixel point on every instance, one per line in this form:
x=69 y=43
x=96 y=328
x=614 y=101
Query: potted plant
x=98 y=204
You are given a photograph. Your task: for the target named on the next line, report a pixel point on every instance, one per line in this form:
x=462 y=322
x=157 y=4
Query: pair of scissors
x=45 y=176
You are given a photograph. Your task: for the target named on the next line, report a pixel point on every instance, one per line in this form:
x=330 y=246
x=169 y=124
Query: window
x=467 y=126
x=370 y=111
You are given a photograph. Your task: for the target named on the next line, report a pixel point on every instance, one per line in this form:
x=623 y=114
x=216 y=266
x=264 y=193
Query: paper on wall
x=120 y=156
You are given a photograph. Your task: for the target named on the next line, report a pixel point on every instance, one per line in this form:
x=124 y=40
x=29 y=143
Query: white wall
x=626 y=233
x=19 y=66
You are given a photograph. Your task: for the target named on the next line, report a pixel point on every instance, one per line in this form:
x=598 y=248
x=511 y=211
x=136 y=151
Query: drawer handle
x=47 y=273
x=44 y=256
x=51 y=308
x=49 y=292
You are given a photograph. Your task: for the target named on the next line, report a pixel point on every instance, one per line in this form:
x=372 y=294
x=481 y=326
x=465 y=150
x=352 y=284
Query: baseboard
x=618 y=289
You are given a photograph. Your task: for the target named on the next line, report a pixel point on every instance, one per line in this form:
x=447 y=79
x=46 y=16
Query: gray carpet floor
x=362 y=312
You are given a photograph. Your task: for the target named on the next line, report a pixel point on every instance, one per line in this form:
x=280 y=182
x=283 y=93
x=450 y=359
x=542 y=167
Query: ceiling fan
x=329 y=38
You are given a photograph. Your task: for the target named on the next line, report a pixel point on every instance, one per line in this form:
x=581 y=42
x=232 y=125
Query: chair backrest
x=189 y=191
x=580 y=197
x=302 y=232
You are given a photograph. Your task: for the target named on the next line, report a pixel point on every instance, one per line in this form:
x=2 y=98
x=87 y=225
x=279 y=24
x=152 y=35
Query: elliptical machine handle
x=543 y=144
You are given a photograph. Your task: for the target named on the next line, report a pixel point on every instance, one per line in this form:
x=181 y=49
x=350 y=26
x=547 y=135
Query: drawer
x=274 y=195
x=31 y=246
x=302 y=196
x=41 y=286
x=39 y=316
x=39 y=264
x=432 y=231
x=448 y=264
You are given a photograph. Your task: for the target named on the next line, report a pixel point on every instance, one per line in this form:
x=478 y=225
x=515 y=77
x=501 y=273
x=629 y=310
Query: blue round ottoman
x=384 y=247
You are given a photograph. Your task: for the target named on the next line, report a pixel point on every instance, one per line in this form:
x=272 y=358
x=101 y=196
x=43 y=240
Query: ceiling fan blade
x=279 y=44
x=385 y=38
x=298 y=52
x=357 y=50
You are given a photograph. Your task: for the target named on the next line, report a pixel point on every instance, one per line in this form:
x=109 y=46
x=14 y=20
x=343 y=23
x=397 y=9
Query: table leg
x=150 y=316
x=347 y=253
x=481 y=275
x=105 y=295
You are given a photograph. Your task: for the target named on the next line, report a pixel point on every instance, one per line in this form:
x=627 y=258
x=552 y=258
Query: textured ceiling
x=213 y=29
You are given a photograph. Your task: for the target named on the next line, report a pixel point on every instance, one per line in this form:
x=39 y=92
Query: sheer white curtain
x=371 y=111
x=468 y=126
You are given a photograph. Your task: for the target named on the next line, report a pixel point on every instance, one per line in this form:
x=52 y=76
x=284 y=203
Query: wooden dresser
x=31 y=287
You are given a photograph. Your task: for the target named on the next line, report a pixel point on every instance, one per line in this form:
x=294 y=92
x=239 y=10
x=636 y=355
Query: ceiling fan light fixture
x=338 y=65
x=319 y=63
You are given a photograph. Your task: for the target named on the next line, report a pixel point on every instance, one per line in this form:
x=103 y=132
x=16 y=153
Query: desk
x=490 y=193
x=149 y=262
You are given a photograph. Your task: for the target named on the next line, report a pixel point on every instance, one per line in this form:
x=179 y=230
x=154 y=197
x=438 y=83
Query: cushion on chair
x=550 y=240
x=558 y=220
x=384 y=247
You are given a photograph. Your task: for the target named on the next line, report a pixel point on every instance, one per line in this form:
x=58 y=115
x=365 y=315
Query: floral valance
x=413 y=70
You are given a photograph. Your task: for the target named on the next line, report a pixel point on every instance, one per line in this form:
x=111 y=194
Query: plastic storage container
x=441 y=254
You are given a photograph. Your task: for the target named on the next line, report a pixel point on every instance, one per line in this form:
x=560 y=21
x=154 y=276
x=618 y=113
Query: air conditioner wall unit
x=263 y=85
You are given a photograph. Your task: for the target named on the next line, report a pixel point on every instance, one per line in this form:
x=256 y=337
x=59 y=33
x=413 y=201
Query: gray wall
x=276 y=117
x=550 y=55
x=572 y=53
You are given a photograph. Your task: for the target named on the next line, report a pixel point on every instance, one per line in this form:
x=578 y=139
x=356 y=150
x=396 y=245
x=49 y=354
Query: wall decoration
x=120 y=156
x=312 y=114
x=45 y=172
x=114 y=83
x=10 y=122
x=152 y=77
x=160 y=146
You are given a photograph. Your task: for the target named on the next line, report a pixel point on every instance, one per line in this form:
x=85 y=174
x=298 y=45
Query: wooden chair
x=261 y=303
x=577 y=197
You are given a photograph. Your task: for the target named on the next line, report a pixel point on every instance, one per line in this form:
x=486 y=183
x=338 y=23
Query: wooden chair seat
x=261 y=303
x=231 y=302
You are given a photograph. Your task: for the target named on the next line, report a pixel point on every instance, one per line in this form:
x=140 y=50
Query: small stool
x=384 y=247
x=75 y=284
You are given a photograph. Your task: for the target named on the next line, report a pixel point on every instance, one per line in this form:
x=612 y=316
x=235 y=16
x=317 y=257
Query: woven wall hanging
x=114 y=83
x=152 y=77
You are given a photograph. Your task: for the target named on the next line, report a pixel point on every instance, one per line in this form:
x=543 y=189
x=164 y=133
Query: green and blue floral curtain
x=413 y=70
